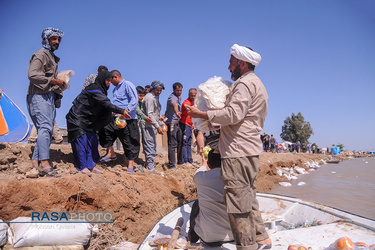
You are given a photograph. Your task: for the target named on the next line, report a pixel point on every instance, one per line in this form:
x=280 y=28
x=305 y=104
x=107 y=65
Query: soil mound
x=138 y=201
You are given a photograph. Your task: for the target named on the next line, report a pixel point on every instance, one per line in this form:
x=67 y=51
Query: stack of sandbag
x=24 y=233
x=211 y=96
x=3 y=233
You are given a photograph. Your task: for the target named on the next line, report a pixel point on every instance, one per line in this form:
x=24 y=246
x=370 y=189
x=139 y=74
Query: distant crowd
x=270 y=144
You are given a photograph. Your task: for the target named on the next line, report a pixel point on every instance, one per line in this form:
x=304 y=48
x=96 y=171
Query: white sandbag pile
x=291 y=174
x=211 y=96
x=3 y=233
x=312 y=164
x=47 y=234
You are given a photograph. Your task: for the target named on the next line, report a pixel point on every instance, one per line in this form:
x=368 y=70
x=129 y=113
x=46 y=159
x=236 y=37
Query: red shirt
x=185 y=118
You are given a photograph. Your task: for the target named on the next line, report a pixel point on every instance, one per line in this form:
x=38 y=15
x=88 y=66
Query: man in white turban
x=241 y=121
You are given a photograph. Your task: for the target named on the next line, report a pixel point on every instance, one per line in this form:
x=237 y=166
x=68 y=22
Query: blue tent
x=336 y=151
x=14 y=124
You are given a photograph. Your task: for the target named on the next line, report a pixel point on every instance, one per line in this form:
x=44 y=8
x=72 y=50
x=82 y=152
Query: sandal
x=264 y=246
x=130 y=171
x=154 y=171
x=46 y=172
x=96 y=171
x=107 y=159
x=188 y=164
x=140 y=167
x=86 y=171
x=195 y=165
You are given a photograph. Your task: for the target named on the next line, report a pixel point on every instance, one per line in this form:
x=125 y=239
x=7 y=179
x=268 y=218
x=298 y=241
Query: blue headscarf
x=47 y=33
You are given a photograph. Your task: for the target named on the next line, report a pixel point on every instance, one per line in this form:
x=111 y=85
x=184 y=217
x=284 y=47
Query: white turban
x=245 y=54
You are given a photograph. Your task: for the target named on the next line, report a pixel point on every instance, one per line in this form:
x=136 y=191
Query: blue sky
x=317 y=56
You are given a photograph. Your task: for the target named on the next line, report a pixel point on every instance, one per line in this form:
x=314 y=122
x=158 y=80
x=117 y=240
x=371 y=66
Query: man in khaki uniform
x=241 y=121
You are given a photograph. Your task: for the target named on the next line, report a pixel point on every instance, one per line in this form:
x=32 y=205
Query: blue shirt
x=125 y=96
x=169 y=112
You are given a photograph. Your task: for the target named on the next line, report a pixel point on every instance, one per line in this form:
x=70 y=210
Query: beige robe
x=242 y=118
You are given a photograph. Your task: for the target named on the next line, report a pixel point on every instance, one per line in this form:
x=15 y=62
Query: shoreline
x=138 y=201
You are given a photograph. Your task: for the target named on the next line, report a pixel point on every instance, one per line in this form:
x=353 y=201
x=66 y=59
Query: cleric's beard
x=236 y=73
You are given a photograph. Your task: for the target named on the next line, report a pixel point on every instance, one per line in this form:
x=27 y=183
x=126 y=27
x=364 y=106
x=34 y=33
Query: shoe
x=106 y=159
x=47 y=172
x=173 y=169
x=96 y=171
x=86 y=171
x=130 y=171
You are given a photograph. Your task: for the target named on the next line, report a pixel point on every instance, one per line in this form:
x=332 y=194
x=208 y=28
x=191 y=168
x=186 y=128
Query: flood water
x=349 y=186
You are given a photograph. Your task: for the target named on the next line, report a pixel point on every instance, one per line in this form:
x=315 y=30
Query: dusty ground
x=137 y=201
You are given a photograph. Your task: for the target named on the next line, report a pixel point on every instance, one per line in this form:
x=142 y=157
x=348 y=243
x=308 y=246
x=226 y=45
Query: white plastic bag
x=46 y=234
x=285 y=184
x=211 y=96
x=65 y=76
x=3 y=233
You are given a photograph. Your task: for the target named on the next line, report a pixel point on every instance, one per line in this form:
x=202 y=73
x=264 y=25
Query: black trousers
x=128 y=136
x=175 y=140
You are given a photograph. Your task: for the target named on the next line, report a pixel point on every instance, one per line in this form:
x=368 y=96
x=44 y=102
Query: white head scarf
x=245 y=54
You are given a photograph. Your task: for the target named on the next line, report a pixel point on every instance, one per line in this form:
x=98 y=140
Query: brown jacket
x=42 y=68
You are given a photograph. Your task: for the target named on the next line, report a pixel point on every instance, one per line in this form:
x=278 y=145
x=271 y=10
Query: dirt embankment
x=138 y=201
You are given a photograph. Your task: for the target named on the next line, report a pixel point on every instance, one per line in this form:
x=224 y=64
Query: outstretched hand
x=194 y=112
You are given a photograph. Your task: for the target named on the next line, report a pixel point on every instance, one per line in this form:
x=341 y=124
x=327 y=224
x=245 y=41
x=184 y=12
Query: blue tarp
x=336 y=151
x=16 y=120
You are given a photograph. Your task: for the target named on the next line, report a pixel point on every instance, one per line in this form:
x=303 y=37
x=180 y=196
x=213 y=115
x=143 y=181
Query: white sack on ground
x=47 y=234
x=65 y=76
x=3 y=233
x=211 y=96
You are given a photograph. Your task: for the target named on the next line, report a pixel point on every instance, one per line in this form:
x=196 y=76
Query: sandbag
x=47 y=234
x=3 y=233
x=211 y=96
